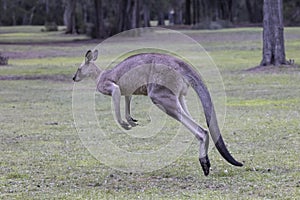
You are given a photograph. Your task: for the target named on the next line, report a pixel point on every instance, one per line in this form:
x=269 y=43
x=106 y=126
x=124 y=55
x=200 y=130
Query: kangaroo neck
x=96 y=74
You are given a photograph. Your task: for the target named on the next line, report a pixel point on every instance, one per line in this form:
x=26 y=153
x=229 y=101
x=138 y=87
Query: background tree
x=273 y=34
x=130 y=15
x=254 y=10
x=178 y=7
x=160 y=10
x=291 y=12
x=146 y=13
x=69 y=16
x=188 y=13
x=99 y=20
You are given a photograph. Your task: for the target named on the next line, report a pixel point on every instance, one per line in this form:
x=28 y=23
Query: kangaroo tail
x=211 y=118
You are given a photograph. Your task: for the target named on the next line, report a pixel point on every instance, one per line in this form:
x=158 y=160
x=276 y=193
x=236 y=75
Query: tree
x=130 y=15
x=178 y=6
x=99 y=22
x=69 y=16
x=196 y=11
x=225 y=10
x=146 y=13
x=160 y=9
x=188 y=13
x=254 y=9
x=291 y=12
x=273 y=34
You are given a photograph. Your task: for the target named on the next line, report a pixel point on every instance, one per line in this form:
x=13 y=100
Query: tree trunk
x=196 y=11
x=14 y=19
x=254 y=11
x=225 y=9
x=99 y=23
x=187 y=12
x=146 y=14
x=129 y=17
x=273 y=38
x=69 y=16
x=127 y=10
x=178 y=18
x=47 y=7
x=121 y=16
x=161 y=18
x=207 y=10
x=135 y=19
x=85 y=13
x=31 y=15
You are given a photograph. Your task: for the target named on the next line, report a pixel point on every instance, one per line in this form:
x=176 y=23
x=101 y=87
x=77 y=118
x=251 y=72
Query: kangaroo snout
x=75 y=79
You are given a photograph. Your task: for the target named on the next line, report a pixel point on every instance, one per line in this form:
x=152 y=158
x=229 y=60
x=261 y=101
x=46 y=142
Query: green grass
x=34 y=34
x=42 y=156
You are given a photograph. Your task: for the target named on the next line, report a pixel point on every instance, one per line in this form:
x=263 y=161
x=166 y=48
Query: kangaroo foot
x=132 y=122
x=125 y=125
x=205 y=164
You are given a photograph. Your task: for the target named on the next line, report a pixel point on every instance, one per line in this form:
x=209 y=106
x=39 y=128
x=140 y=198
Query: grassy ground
x=42 y=156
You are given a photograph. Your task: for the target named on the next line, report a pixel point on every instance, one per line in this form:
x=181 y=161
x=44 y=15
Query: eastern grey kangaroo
x=165 y=79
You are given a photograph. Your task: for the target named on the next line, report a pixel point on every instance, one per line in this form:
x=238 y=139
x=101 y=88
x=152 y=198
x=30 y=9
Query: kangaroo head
x=88 y=68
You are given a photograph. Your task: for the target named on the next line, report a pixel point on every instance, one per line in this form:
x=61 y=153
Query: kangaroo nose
x=74 y=77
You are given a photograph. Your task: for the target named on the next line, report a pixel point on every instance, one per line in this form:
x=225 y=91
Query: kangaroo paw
x=205 y=164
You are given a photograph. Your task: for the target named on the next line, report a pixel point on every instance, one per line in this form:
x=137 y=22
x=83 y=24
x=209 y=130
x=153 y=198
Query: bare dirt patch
x=274 y=69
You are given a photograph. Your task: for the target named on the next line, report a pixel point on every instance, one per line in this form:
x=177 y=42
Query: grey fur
x=165 y=79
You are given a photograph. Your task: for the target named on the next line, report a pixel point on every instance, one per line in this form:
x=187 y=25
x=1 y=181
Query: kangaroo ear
x=95 y=55
x=88 y=56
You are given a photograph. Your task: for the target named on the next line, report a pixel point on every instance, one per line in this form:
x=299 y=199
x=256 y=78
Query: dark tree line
x=30 y=12
x=102 y=18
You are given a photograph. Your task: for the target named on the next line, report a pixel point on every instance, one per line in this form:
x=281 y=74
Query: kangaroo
x=165 y=79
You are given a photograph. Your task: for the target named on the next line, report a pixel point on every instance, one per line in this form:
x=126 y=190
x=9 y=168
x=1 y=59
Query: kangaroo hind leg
x=170 y=104
x=183 y=105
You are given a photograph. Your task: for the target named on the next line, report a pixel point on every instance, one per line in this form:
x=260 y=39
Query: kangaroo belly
x=141 y=90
